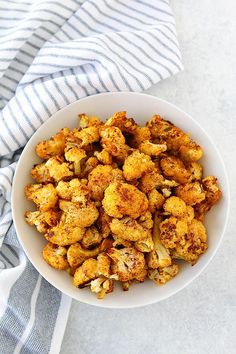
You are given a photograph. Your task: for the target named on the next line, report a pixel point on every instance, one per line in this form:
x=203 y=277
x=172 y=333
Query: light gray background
x=201 y=318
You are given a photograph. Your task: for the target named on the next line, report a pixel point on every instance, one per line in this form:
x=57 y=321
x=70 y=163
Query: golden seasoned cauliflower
x=122 y=199
x=101 y=286
x=103 y=223
x=175 y=206
x=58 y=169
x=103 y=264
x=172 y=231
x=161 y=275
x=40 y=173
x=145 y=220
x=106 y=244
x=212 y=193
x=76 y=254
x=128 y=263
x=128 y=229
x=85 y=273
x=113 y=141
x=79 y=214
x=140 y=135
x=75 y=190
x=44 y=196
x=150 y=180
x=91 y=238
x=151 y=149
x=66 y=232
x=121 y=242
x=54 y=146
x=136 y=165
x=119 y=120
x=89 y=121
x=42 y=220
x=155 y=200
x=75 y=155
x=190 y=152
x=103 y=157
x=87 y=136
x=145 y=245
x=192 y=193
x=88 y=166
x=173 y=168
x=55 y=256
x=100 y=178
x=195 y=169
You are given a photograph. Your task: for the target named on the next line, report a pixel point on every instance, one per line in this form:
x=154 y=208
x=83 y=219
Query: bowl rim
x=198 y=272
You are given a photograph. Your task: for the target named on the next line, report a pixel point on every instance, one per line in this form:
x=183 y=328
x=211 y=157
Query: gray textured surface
x=201 y=318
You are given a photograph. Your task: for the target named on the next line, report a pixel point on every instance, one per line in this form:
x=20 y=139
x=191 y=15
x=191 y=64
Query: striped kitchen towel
x=52 y=53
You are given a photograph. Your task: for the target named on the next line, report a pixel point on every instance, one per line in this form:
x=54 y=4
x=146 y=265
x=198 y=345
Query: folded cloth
x=51 y=54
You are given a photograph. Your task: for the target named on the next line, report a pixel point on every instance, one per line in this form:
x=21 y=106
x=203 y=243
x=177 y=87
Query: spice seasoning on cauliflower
x=117 y=202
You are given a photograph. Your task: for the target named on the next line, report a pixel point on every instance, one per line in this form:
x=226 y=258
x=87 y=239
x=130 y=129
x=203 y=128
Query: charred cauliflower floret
x=192 y=193
x=190 y=152
x=100 y=178
x=40 y=174
x=76 y=255
x=79 y=214
x=172 y=231
x=55 y=256
x=150 y=180
x=104 y=157
x=128 y=229
x=119 y=120
x=58 y=169
x=155 y=200
x=87 y=136
x=175 y=206
x=212 y=193
x=140 y=135
x=54 y=146
x=195 y=169
x=173 y=168
x=88 y=166
x=145 y=220
x=85 y=273
x=145 y=245
x=43 y=221
x=162 y=275
x=75 y=190
x=44 y=196
x=104 y=264
x=113 y=141
x=151 y=149
x=128 y=263
x=136 y=165
x=101 y=286
x=122 y=199
x=89 y=121
x=76 y=156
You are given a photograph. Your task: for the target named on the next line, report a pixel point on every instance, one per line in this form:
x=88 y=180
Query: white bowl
x=141 y=107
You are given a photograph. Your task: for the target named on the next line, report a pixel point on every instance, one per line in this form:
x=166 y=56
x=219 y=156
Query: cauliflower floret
x=140 y=135
x=121 y=242
x=173 y=168
x=195 y=169
x=190 y=152
x=89 y=121
x=168 y=133
x=189 y=215
x=75 y=190
x=101 y=286
x=54 y=146
x=150 y=180
x=155 y=200
x=146 y=245
x=75 y=155
x=100 y=178
x=55 y=256
x=113 y=141
x=151 y=149
x=193 y=244
x=119 y=120
x=136 y=165
x=85 y=273
x=122 y=199
x=192 y=193
x=213 y=194
x=172 y=231
x=141 y=276
x=79 y=214
x=91 y=237
x=76 y=255
x=145 y=220
x=103 y=157
x=175 y=206
x=88 y=166
x=87 y=136
x=40 y=173
x=44 y=196
x=162 y=275
x=128 y=263
x=58 y=169
x=66 y=232
x=42 y=220
x=103 y=223
x=128 y=229
x=103 y=264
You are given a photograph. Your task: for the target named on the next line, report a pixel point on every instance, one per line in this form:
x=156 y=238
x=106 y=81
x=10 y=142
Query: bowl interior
x=141 y=107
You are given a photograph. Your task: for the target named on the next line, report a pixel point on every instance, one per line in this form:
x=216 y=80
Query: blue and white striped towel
x=52 y=53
